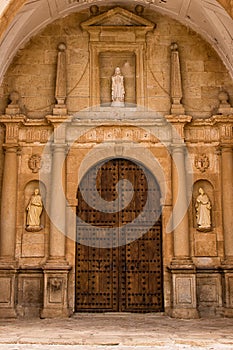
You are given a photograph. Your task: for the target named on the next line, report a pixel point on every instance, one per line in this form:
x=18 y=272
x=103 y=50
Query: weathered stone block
x=33 y=245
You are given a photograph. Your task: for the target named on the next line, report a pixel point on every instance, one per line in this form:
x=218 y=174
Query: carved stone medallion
x=202 y=162
x=34 y=163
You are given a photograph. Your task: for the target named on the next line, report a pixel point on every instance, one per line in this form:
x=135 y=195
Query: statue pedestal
x=117 y=104
x=8 y=281
x=55 y=289
x=184 y=290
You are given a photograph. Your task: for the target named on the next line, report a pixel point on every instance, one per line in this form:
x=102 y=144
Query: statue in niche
x=34 y=210
x=118 y=90
x=203 y=207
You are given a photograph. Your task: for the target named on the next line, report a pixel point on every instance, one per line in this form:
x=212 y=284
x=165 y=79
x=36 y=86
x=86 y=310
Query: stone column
x=58 y=205
x=225 y=124
x=227 y=199
x=56 y=269
x=8 y=265
x=184 y=303
x=180 y=205
x=227 y=205
x=8 y=204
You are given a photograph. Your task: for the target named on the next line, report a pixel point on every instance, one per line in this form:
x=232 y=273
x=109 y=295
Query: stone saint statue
x=34 y=210
x=203 y=207
x=118 y=90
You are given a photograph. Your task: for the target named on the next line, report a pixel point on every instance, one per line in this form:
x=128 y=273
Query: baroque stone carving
x=118 y=90
x=34 y=163
x=203 y=207
x=34 y=210
x=202 y=162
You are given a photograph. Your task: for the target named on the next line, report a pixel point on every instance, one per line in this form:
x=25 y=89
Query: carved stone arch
x=137 y=154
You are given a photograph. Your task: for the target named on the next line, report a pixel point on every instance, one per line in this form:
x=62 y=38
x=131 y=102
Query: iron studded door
x=119 y=262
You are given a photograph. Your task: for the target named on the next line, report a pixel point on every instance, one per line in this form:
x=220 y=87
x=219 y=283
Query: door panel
x=129 y=277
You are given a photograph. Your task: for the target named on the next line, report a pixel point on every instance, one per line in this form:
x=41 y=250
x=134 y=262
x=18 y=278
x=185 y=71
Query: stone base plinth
x=55 y=290
x=177 y=109
x=228 y=288
x=7 y=292
x=184 y=289
x=228 y=312
x=184 y=313
x=60 y=110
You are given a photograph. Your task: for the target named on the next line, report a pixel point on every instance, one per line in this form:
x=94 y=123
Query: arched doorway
x=119 y=248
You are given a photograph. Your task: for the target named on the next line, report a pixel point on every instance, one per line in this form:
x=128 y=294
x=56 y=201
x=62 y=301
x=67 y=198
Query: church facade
x=116 y=167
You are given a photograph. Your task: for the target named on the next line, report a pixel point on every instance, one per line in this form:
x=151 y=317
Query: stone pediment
x=117 y=19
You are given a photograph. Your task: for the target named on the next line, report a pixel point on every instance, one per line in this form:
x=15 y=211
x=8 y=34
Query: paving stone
x=116 y=332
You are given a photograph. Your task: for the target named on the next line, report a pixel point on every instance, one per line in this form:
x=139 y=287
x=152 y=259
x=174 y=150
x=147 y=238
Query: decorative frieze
x=34 y=134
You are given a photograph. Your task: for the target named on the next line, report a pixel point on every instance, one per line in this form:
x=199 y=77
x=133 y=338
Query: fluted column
x=227 y=200
x=8 y=204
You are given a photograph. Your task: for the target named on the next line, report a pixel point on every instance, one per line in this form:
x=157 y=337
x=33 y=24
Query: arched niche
x=209 y=191
x=28 y=192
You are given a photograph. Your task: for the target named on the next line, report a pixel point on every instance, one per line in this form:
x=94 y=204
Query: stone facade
x=61 y=123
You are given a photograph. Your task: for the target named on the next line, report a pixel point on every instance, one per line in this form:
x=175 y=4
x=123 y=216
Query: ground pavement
x=116 y=332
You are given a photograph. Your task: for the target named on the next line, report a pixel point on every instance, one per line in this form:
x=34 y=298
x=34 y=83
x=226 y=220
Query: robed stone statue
x=118 y=90
x=203 y=208
x=34 y=210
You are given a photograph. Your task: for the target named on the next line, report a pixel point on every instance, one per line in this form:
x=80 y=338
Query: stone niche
x=33 y=243
x=107 y=63
x=117 y=39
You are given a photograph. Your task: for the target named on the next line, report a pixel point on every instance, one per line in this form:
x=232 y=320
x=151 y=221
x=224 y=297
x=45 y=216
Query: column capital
x=178 y=147
x=18 y=118
x=59 y=123
x=178 y=123
x=56 y=120
x=11 y=148
x=226 y=147
x=60 y=148
x=12 y=125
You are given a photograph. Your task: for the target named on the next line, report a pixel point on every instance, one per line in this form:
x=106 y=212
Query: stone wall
x=32 y=72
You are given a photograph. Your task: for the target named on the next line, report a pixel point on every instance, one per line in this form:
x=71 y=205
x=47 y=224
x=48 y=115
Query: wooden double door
x=119 y=246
